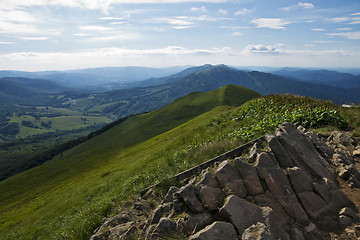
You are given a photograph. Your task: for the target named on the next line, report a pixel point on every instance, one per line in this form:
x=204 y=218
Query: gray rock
x=99 y=236
x=345 y=220
x=241 y=213
x=279 y=185
x=255 y=149
x=170 y=194
x=300 y=180
x=165 y=229
x=324 y=189
x=257 y=232
x=341 y=138
x=296 y=234
x=160 y=211
x=303 y=152
x=263 y=160
x=208 y=179
x=123 y=217
x=312 y=203
x=129 y=233
x=230 y=180
x=348 y=212
x=216 y=231
x=312 y=232
x=320 y=145
x=356 y=153
x=187 y=194
x=250 y=177
x=281 y=155
x=194 y=222
x=210 y=196
x=120 y=229
x=344 y=174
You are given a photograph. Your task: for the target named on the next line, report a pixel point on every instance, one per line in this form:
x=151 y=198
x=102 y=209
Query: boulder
x=187 y=194
x=250 y=177
x=280 y=154
x=320 y=145
x=160 y=211
x=312 y=232
x=341 y=138
x=241 y=213
x=300 y=180
x=210 y=196
x=263 y=160
x=348 y=212
x=165 y=229
x=296 y=234
x=356 y=152
x=208 y=179
x=258 y=231
x=216 y=231
x=117 y=231
x=312 y=203
x=230 y=180
x=194 y=222
x=169 y=197
x=279 y=185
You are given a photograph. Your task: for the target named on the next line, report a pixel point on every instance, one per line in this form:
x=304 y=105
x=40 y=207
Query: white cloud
x=6 y=42
x=17 y=28
x=118 y=23
x=339 y=19
x=318 y=29
x=348 y=35
x=243 y=11
x=111 y=18
x=237 y=34
x=272 y=23
x=222 y=11
x=344 y=29
x=323 y=42
x=356 y=14
x=298 y=5
x=35 y=38
x=355 y=20
x=262 y=49
x=81 y=34
x=200 y=9
x=95 y=28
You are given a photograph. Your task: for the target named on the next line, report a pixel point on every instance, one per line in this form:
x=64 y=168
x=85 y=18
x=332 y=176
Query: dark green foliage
x=11 y=129
x=27 y=124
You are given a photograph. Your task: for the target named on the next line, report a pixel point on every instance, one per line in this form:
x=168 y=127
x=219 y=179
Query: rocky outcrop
x=287 y=191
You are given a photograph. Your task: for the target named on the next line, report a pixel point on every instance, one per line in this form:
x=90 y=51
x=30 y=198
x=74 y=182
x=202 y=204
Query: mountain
x=331 y=78
x=68 y=196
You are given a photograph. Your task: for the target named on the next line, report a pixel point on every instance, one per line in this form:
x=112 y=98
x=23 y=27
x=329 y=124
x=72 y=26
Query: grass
x=66 y=198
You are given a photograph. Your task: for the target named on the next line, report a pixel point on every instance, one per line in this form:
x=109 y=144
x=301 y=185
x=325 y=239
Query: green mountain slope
x=70 y=193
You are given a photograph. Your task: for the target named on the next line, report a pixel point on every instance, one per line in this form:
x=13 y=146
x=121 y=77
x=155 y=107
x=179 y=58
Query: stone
x=263 y=160
x=120 y=229
x=241 y=213
x=170 y=194
x=296 y=234
x=257 y=232
x=230 y=180
x=280 y=154
x=312 y=203
x=345 y=220
x=280 y=187
x=255 y=149
x=300 y=180
x=123 y=217
x=129 y=233
x=356 y=153
x=217 y=231
x=166 y=228
x=312 y=232
x=341 y=138
x=194 y=222
x=303 y=152
x=344 y=174
x=320 y=145
x=99 y=236
x=348 y=212
x=250 y=177
x=208 y=179
x=210 y=196
x=160 y=211
x=324 y=189
x=187 y=194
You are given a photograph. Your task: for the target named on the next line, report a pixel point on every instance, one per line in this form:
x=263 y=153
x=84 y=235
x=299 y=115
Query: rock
x=340 y=157
x=280 y=154
x=356 y=153
x=345 y=220
x=303 y=152
x=320 y=145
x=160 y=211
x=324 y=189
x=312 y=233
x=254 y=151
x=170 y=194
x=344 y=174
x=263 y=160
x=208 y=179
x=341 y=138
x=257 y=232
x=123 y=217
x=230 y=180
x=194 y=222
x=129 y=233
x=279 y=185
x=250 y=177
x=166 y=228
x=119 y=230
x=296 y=234
x=348 y=212
x=216 y=231
x=187 y=194
x=99 y=236
x=300 y=181
x=210 y=196
x=241 y=213
x=312 y=203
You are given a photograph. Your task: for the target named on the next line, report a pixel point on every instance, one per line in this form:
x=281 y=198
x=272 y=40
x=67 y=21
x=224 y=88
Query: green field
x=67 y=197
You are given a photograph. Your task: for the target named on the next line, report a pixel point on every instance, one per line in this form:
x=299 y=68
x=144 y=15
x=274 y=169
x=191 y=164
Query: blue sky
x=70 y=34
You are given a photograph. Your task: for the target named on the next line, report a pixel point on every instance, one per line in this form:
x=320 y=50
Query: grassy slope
x=69 y=195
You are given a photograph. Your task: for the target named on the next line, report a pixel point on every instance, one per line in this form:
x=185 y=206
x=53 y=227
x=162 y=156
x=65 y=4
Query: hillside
x=68 y=196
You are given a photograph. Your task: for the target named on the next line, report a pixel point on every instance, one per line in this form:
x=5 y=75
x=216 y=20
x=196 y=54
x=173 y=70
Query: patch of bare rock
x=288 y=189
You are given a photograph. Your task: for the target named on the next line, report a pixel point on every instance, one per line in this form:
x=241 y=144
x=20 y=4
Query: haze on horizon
x=69 y=34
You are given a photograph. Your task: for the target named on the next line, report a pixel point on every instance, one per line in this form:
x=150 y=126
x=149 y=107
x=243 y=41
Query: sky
x=71 y=34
